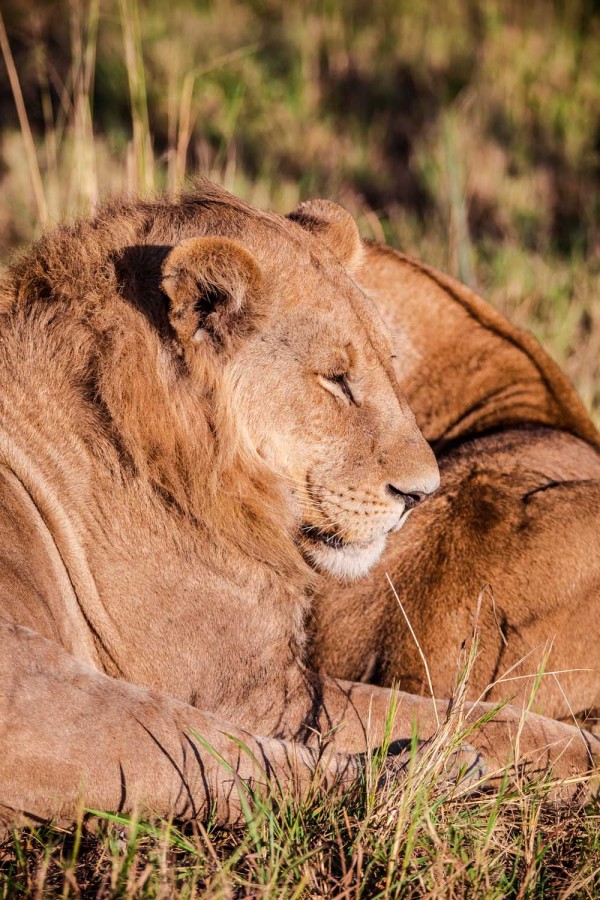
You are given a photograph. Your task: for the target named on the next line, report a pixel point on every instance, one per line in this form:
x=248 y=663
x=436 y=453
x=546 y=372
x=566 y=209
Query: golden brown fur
x=198 y=409
x=519 y=509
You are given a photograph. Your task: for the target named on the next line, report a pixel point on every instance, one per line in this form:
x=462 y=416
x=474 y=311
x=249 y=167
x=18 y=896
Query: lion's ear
x=333 y=225
x=214 y=286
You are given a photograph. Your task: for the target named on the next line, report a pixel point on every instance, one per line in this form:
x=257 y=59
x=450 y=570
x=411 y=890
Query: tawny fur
x=177 y=443
x=519 y=510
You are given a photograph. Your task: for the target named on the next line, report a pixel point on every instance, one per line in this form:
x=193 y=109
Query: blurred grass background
x=467 y=133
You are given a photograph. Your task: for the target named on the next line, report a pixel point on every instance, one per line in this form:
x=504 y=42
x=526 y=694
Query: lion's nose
x=410 y=500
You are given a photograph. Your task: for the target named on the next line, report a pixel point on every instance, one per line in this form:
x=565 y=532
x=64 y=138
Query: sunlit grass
x=426 y=840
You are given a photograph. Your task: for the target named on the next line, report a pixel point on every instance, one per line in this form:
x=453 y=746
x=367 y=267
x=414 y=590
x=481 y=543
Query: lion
x=517 y=517
x=199 y=412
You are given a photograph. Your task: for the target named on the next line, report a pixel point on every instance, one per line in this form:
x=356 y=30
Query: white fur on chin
x=350 y=562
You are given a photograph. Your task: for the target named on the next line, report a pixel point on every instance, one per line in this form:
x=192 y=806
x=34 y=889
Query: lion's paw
x=464 y=767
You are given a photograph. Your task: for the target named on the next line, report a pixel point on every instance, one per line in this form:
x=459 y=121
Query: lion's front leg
x=71 y=735
x=353 y=718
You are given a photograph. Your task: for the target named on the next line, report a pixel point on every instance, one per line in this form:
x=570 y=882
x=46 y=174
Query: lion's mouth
x=327 y=551
x=320 y=536
x=316 y=534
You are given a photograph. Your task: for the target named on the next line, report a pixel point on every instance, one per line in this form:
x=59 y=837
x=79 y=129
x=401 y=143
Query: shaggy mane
x=84 y=307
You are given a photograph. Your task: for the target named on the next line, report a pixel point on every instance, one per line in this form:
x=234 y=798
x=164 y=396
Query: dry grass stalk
x=142 y=171
x=30 y=151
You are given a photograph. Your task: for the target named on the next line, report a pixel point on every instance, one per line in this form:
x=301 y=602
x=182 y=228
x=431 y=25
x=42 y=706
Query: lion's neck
x=159 y=596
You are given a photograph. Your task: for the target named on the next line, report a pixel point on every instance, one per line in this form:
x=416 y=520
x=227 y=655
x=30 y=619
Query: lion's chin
x=348 y=561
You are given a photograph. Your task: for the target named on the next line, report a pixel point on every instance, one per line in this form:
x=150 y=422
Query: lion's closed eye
x=338 y=385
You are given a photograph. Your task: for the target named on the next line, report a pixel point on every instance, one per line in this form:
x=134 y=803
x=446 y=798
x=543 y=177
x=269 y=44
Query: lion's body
x=186 y=390
x=519 y=510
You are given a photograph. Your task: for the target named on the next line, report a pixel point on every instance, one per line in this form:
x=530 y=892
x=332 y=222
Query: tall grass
x=140 y=161
x=503 y=847
x=28 y=142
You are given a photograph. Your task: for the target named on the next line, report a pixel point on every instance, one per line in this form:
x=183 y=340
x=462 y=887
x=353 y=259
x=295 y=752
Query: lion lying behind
x=198 y=409
x=519 y=510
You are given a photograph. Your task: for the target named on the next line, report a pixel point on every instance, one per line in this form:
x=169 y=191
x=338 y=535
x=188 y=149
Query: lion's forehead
x=333 y=332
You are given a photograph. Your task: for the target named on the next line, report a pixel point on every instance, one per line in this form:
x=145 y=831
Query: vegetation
x=497 y=848
x=468 y=133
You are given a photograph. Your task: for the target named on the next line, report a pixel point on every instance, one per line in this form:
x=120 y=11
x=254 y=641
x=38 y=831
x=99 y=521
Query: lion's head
x=308 y=367
x=223 y=325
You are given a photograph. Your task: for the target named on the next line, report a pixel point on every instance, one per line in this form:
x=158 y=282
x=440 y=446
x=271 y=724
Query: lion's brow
x=378 y=338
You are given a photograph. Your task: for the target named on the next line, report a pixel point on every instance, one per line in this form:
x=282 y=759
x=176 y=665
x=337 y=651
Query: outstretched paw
x=463 y=767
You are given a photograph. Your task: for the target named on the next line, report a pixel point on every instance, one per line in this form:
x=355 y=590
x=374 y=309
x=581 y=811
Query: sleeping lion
x=199 y=411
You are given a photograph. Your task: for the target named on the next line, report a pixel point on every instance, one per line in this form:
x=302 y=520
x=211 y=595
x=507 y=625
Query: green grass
x=511 y=845
x=467 y=133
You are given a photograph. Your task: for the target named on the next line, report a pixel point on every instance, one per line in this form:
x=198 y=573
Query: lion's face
x=325 y=412
x=317 y=399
